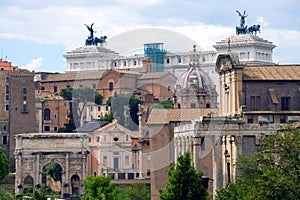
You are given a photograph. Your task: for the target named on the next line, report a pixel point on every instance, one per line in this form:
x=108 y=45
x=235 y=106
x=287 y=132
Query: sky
x=36 y=34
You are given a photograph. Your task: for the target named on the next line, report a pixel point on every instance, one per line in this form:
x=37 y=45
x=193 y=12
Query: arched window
x=47 y=114
x=111 y=86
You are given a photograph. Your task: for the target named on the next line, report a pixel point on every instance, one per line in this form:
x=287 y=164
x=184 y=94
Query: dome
x=195 y=78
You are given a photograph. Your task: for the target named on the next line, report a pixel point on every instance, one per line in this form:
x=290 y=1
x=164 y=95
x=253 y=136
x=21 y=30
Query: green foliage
x=39 y=195
x=122 y=102
x=98 y=98
x=79 y=97
x=54 y=171
x=4 y=164
x=107 y=117
x=99 y=188
x=108 y=102
x=273 y=172
x=138 y=191
x=6 y=195
x=66 y=93
x=168 y=104
x=184 y=182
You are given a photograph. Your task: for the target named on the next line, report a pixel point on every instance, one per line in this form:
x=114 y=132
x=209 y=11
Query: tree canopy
x=4 y=164
x=271 y=173
x=168 y=104
x=99 y=187
x=184 y=182
x=125 y=105
x=80 y=97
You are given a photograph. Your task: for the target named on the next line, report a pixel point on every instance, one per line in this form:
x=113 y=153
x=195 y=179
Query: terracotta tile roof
x=164 y=116
x=154 y=75
x=282 y=72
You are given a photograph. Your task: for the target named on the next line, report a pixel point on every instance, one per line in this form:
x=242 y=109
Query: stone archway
x=75 y=184
x=37 y=150
x=28 y=184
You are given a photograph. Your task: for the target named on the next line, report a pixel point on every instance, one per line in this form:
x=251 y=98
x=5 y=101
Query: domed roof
x=196 y=78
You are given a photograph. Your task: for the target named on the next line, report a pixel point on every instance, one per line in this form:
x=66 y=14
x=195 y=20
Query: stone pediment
x=224 y=63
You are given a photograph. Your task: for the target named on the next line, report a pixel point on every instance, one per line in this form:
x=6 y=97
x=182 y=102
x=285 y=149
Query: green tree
x=138 y=191
x=123 y=103
x=271 y=173
x=168 y=104
x=54 y=170
x=184 y=182
x=79 y=97
x=99 y=188
x=4 y=164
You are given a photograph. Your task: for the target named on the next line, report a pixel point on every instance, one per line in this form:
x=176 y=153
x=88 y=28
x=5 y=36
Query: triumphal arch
x=35 y=151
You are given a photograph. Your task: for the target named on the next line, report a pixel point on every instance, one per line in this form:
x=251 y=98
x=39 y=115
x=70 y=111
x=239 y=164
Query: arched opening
x=52 y=178
x=75 y=181
x=47 y=114
x=28 y=185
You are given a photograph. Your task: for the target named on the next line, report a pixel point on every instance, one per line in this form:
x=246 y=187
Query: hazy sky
x=36 y=34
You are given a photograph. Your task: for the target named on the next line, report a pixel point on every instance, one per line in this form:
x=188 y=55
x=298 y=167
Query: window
x=250 y=119
x=179 y=60
x=55 y=116
x=168 y=60
x=282 y=118
x=148 y=172
x=90 y=139
x=99 y=108
x=116 y=139
x=193 y=105
x=47 y=114
x=202 y=144
x=148 y=157
x=285 y=103
x=24 y=109
x=98 y=139
x=116 y=163
x=6 y=107
x=207 y=105
x=24 y=98
x=4 y=128
x=55 y=129
x=47 y=128
x=126 y=160
x=4 y=139
x=271 y=118
x=106 y=108
x=111 y=86
x=134 y=63
x=6 y=89
x=6 y=79
x=7 y=97
x=94 y=85
x=24 y=90
x=127 y=137
x=125 y=63
x=55 y=88
x=255 y=103
x=42 y=86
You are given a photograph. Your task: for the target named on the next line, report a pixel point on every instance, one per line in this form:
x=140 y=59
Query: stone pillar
x=196 y=156
x=67 y=175
x=176 y=148
x=18 y=179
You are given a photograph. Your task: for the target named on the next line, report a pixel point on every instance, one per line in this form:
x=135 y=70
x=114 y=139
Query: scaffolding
x=156 y=52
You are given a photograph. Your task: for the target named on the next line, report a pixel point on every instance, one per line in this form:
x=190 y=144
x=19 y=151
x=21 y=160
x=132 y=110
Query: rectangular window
x=148 y=157
x=179 y=60
x=24 y=109
x=134 y=63
x=47 y=128
x=4 y=139
x=255 y=103
x=55 y=88
x=7 y=97
x=148 y=172
x=285 y=103
x=6 y=79
x=55 y=129
x=24 y=90
x=116 y=163
x=125 y=63
x=99 y=108
x=6 y=107
x=94 y=85
x=271 y=118
x=282 y=118
x=98 y=139
x=24 y=98
x=6 y=89
x=168 y=60
x=250 y=119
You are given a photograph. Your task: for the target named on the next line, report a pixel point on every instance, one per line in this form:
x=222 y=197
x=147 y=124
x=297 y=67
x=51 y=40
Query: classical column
x=176 y=148
x=196 y=156
x=67 y=178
